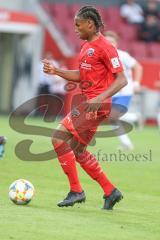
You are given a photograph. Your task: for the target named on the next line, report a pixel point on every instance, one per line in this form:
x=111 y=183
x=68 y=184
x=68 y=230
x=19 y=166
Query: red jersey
x=98 y=63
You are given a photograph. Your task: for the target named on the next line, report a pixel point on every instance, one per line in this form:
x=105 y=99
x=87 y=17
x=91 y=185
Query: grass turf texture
x=135 y=217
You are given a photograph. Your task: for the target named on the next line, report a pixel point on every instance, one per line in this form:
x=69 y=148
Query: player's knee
x=79 y=150
x=56 y=141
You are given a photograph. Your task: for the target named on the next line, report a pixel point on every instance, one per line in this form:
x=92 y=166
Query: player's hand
x=136 y=87
x=48 y=67
x=92 y=106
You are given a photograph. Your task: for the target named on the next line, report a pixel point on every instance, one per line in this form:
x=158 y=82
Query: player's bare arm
x=120 y=82
x=69 y=75
x=137 y=75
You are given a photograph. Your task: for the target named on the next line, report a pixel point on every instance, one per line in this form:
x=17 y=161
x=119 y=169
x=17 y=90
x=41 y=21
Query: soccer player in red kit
x=101 y=69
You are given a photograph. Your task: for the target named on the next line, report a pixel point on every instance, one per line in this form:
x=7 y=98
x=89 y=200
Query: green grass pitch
x=136 y=217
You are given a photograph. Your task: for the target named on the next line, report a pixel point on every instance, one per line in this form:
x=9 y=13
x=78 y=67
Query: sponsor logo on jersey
x=90 y=52
x=115 y=62
x=85 y=65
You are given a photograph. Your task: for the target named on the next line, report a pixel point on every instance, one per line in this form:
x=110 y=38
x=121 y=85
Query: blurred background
x=32 y=30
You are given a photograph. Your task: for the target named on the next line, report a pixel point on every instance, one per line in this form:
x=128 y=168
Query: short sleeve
x=111 y=59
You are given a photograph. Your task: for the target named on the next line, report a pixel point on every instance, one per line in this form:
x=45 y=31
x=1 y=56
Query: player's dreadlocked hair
x=89 y=12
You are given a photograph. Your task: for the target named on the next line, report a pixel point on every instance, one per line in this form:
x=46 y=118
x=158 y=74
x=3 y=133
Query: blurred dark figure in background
x=2 y=143
x=44 y=79
x=57 y=89
x=132 y=12
x=152 y=9
x=50 y=85
x=149 y=31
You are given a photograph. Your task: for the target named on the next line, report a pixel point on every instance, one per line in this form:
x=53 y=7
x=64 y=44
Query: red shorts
x=81 y=128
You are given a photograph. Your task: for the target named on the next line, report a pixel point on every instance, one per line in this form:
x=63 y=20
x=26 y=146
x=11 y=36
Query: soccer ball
x=21 y=192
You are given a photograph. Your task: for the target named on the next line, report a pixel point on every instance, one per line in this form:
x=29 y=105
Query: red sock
x=66 y=158
x=90 y=164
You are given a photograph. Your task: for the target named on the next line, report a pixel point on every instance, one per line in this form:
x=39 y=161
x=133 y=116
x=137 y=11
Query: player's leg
x=67 y=161
x=2 y=146
x=120 y=105
x=83 y=131
x=92 y=167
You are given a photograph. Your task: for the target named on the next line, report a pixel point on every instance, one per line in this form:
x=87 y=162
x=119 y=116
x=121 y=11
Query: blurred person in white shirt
x=132 y=68
x=132 y=12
